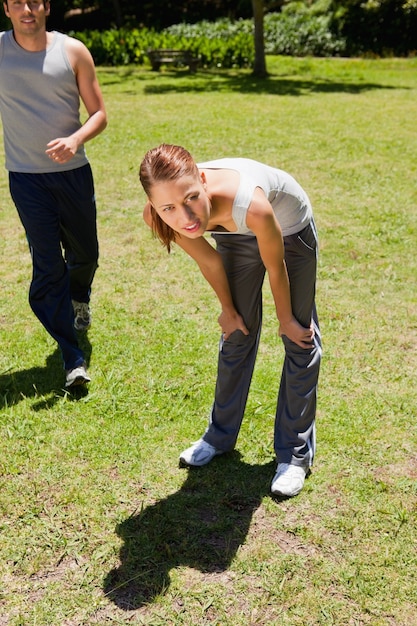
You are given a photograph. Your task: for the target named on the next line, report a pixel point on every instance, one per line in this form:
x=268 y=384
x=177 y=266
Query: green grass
x=98 y=524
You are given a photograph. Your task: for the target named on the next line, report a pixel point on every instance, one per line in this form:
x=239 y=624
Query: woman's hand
x=303 y=337
x=230 y=322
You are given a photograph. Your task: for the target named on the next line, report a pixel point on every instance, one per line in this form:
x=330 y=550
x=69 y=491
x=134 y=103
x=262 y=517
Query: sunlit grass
x=98 y=523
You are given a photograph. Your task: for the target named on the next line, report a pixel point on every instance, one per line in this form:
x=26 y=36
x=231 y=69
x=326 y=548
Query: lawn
x=98 y=523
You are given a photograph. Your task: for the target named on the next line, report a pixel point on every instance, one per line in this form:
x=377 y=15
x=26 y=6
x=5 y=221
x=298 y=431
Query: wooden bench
x=176 y=57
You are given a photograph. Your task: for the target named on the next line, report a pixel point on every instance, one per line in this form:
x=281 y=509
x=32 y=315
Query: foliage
x=219 y=44
x=118 y=46
x=4 y=21
x=376 y=27
x=163 y=13
x=158 y=14
x=301 y=34
x=223 y=43
x=298 y=30
x=319 y=28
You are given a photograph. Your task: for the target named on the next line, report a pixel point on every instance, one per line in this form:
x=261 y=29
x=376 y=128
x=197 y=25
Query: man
x=43 y=76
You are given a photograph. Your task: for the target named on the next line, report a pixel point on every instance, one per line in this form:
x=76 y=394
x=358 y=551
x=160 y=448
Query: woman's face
x=183 y=205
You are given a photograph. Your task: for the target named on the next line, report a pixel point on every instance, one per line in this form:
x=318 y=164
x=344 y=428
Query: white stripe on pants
x=294 y=439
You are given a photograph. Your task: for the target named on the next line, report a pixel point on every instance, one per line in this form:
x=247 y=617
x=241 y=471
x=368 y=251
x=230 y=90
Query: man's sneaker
x=288 y=480
x=82 y=315
x=200 y=453
x=77 y=376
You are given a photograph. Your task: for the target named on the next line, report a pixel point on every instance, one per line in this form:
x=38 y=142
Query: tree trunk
x=259 y=68
x=118 y=13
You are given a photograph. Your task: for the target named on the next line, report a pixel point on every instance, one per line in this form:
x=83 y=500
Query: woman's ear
x=147 y=213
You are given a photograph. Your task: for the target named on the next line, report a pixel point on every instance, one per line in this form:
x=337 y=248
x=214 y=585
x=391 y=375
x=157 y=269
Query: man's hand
x=62 y=149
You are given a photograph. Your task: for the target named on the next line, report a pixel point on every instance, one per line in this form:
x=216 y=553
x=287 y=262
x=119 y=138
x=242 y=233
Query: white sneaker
x=77 y=376
x=82 y=315
x=200 y=453
x=288 y=480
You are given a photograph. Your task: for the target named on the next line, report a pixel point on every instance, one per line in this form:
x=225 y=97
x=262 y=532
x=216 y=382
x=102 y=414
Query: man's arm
x=62 y=149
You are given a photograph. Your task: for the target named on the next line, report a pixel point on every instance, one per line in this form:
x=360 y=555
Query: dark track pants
x=58 y=213
x=294 y=439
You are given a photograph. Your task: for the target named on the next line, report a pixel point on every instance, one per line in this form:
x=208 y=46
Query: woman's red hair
x=165 y=163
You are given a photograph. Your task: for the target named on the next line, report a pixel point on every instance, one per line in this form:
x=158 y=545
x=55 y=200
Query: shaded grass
x=98 y=523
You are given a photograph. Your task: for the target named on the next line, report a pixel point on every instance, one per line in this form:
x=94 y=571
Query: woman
x=261 y=220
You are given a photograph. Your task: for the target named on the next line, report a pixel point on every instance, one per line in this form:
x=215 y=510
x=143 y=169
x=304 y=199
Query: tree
x=259 y=68
x=118 y=13
x=258 y=10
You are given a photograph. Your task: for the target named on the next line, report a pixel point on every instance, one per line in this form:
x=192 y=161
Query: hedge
x=223 y=43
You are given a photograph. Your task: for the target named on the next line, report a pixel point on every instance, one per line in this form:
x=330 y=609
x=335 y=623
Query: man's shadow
x=39 y=382
x=200 y=526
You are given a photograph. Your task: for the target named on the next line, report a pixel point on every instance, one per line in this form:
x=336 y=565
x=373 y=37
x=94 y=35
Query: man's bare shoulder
x=78 y=53
x=73 y=44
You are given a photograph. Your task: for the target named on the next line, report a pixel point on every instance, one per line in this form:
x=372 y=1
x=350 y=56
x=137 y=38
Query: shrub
x=382 y=28
x=218 y=44
x=223 y=43
x=117 y=47
x=301 y=34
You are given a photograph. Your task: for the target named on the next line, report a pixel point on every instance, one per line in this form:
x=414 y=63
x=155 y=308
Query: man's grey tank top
x=39 y=101
x=289 y=201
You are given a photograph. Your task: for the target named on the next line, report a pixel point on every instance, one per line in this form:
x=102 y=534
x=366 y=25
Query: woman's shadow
x=200 y=526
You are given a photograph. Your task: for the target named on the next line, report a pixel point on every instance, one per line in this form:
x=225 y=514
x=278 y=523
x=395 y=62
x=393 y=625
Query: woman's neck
x=222 y=186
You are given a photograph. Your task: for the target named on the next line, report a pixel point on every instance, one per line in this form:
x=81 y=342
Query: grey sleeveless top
x=39 y=101
x=289 y=201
